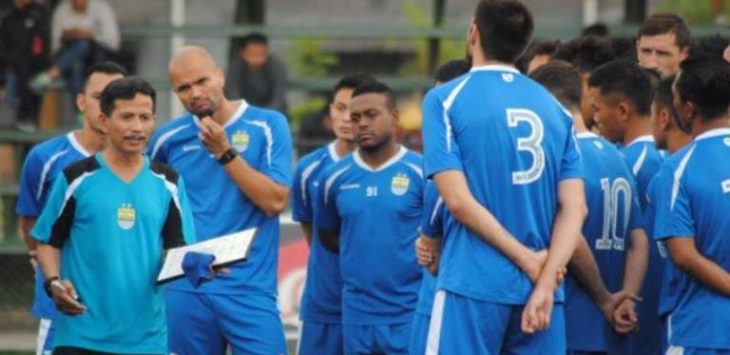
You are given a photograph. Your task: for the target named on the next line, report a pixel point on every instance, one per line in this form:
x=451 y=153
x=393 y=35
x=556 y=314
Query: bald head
x=192 y=57
x=197 y=80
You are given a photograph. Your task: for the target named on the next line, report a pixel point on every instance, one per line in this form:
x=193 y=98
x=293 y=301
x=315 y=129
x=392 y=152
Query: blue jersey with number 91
x=514 y=143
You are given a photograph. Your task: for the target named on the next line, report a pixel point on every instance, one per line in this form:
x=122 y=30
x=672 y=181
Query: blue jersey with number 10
x=514 y=143
x=613 y=206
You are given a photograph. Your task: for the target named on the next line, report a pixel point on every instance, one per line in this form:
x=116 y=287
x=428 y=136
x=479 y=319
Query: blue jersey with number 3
x=514 y=143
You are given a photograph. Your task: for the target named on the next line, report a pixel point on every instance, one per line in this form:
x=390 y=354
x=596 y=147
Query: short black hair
x=125 y=89
x=666 y=22
x=376 y=87
x=562 y=80
x=705 y=81
x=533 y=50
x=596 y=29
x=626 y=79
x=350 y=82
x=254 y=37
x=586 y=53
x=710 y=46
x=505 y=28
x=106 y=67
x=451 y=70
x=663 y=95
x=624 y=47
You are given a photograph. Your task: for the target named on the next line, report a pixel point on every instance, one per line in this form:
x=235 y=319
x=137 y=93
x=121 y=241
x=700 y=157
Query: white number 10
x=531 y=144
x=610 y=238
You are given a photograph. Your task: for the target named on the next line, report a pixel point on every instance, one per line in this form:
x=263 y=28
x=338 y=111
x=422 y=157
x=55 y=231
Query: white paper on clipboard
x=227 y=249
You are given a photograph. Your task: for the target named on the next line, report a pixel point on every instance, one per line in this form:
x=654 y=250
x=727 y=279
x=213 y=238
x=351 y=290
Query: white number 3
x=531 y=144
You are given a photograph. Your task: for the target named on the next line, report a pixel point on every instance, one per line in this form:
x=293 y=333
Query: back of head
x=625 y=79
x=254 y=37
x=125 y=89
x=562 y=80
x=623 y=47
x=350 y=82
x=705 y=81
x=586 y=53
x=451 y=70
x=596 y=29
x=663 y=95
x=713 y=46
x=376 y=87
x=536 y=48
x=108 y=68
x=505 y=28
x=666 y=22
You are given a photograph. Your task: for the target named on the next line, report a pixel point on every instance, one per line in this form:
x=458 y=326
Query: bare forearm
x=706 y=271
x=565 y=238
x=265 y=193
x=637 y=260
x=584 y=269
x=307 y=230
x=26 y=225
x=49 y=257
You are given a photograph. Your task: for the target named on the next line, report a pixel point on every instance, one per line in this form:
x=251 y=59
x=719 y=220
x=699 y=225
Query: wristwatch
x=228 y=156
x=49 y=283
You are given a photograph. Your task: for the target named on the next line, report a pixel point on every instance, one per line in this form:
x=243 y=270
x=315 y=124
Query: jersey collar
x=358 y=160
x=495 y=67
x=645 y=139
x=713 y=133
x=236 y=115
x=332 y=150
x=75 y=143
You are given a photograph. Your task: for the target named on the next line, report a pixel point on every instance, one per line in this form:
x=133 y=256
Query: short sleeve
x=571 y=166
x=54 y=224
x=433 y=207
x=155 y=149
x=278 y=151
x=441 y=152
x=29 y=202
x=326 y=216
x=635 y=217
x=179 y=227
x=674 y=214
x=301 y=202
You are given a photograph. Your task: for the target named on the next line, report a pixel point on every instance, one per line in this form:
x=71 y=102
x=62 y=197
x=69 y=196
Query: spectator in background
x=83 y=32
x=537 y=54
x=663 y=43
x=24 y=53
x=257 y=76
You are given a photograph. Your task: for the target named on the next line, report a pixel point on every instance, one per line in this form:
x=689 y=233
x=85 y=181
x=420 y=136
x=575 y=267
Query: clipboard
x=227 y=249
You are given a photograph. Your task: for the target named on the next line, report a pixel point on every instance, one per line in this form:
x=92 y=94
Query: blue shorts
x=205 y=323
x=461 y=325
x=369 y=339
x=678 y=350
x=419 y=333
x=320 y=338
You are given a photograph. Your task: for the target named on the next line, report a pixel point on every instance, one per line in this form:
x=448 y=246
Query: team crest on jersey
x=126 y=216
x=240 y=140
x=399 y=184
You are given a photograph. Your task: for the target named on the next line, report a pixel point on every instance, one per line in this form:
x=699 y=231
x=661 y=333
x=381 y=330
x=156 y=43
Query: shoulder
x=414 y=162
x=260 y=114
x=443 y=91
x=80 y=168
x=48 y=148
x=176 y=124
x=312 y=158
x=165 y=170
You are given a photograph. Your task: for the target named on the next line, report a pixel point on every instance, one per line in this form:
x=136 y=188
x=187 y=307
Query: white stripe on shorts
x=43 y=326
x=675 y=350
x=434 y=328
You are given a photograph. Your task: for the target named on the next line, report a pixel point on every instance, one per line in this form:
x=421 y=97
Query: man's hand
x=538 y=310
x=609 y=304
x=428 y=251
x=213 y=137
x=532 y=266
x=624 y=317
x=65 y=297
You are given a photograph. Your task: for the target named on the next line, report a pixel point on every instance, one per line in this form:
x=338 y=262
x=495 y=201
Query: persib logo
x=399 y=184
x=126 y=216
x=240 y=140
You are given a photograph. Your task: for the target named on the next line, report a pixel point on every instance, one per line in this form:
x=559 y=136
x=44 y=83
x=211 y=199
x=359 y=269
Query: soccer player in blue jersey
x=44 y=163
x=321 y=302
x=621 y=96
x=103 y=231
x=502 y=153
x=369 y=211
x=236 y=162
x=611 y=261
x=694 y=220
x=669 y=137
